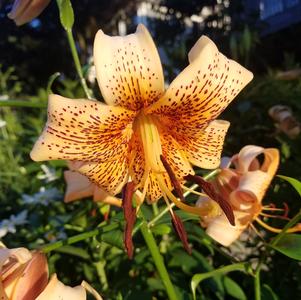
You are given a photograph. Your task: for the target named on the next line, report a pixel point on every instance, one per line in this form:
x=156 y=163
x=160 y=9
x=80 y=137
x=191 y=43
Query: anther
x=210 y=191
x=176 y=184
x=129 y=216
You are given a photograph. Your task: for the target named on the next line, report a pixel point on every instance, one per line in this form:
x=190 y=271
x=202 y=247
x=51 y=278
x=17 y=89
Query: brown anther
x=180 y=230
x=129 y=216
x=176 y=184
x=209 y=189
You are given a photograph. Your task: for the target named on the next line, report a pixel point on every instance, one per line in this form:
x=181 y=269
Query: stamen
x=91 y=290
x=193 y=191
x=210 y=191
x=176 y=184
x=273 y=216
x=129 y=216
x=278 y=230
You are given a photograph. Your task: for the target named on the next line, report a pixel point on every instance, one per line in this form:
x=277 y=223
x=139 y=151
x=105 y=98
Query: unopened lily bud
x=24 y=11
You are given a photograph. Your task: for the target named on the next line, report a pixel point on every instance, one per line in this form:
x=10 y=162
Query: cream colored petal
x=83 y=130
x=110 y=176
x=201 y=91
x=253 y=184
x=56 y=290
x=246 y=156
x=78 y=186
x=32 y=280
x=204 y=149
x=128 y=69
x=223 y=232
x=24 y=11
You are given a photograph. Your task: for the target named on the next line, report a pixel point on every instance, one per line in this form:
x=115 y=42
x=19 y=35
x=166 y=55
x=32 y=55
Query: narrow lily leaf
x=114 y=238
x=66 y=14
x=233 y=289
x=294 y=182
x=75 y=251
x=290 y=245
x=267 y=293
x=197 y=278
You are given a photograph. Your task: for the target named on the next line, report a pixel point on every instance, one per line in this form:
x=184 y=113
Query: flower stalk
x=158 y=260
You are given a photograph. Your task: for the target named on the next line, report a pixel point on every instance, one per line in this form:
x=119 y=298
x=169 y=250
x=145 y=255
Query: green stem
x=257 y=289
x=77 y=63
x=79 y=237
x=20 y=103
x=158 y=260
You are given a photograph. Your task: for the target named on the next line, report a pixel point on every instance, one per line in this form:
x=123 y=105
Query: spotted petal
x=83 y=130
x=202 y=90
x=128 y=69
x=110 y=176
x=56 y=290
x=204 y=149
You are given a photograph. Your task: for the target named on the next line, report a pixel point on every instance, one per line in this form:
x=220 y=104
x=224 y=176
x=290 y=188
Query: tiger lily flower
x=24 y=11
x=243 y=183
x=144 y=134
x=79 y=186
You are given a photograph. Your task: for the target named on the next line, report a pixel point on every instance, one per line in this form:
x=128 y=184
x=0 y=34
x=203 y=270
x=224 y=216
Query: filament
x=278 y=230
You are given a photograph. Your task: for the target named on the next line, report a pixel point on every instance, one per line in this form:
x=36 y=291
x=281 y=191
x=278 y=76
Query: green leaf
x=289 y=245
x=114 y=238
x=161 y=229
x=75 y=251
x=294 y=182
x=267 y=293
x=66 y=14
x=197 y=278
x=233 y=289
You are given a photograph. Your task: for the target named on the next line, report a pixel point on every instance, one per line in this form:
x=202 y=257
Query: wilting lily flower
x=243 y=183
x=24 y=11
x=144 y=134
x=23 y=274
x=79 y=186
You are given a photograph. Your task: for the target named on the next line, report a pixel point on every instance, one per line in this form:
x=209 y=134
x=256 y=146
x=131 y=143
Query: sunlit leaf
x=290 y=245
x=161 y=229
x=294 y=182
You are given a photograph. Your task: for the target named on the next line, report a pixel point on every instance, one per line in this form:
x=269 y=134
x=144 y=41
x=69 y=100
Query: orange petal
x=201 y=91
x=110 y=176
x=57 y=290
x=24 y=11
x=204 y=149
x=128 y=69
x=83 y=130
